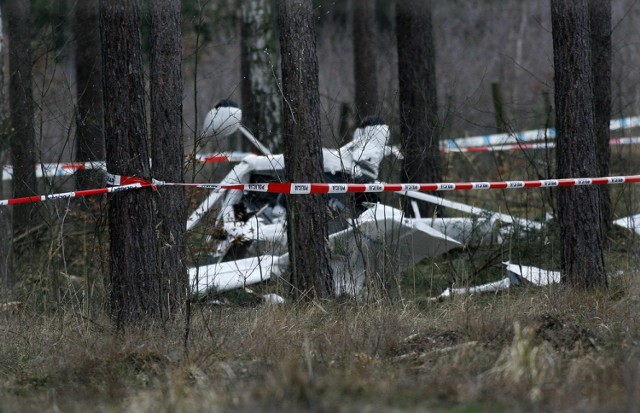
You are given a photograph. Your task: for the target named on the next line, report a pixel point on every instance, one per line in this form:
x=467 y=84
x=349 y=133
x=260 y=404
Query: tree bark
x=498 y=106
x=90 y=114
x=261 y=100
x=306 y=215
x=167 y=152
x=364 y=58
x=133 y=275
x=582 y=259
x=600 y=23
x=6 y=274
x=419 y=123
x=21 y=112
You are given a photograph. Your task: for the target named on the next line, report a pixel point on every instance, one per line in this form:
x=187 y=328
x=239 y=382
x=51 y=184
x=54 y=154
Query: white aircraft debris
x=250 y=241
x=517 y=275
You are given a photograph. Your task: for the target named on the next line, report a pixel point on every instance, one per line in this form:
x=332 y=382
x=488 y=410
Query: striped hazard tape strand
x=521 y=140
x=451 y=148
x=74 y=194
x=70 y=168
x=118 y=184
x=341 y=188
x=51 y=170
x=122 y=183
x=338 y=188
x=528 y=135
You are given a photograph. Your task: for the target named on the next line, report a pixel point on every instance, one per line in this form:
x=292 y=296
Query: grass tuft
x=546 y=348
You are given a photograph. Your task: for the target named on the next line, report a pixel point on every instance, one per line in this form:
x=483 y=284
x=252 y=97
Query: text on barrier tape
x=74 y=194
x=129 y=182
x=324 y=188
x=337 y=188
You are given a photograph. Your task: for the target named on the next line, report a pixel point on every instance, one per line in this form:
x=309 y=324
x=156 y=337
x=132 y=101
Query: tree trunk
x=261 y=100
x=419 y=123
x=364 y=58
x=133 y=275
x=22 y=133
x=167 y=152
x=600 y=23
x=90 y=114
x=306 y=215
x=498 y=106
x=582 y=260
x=6 y=274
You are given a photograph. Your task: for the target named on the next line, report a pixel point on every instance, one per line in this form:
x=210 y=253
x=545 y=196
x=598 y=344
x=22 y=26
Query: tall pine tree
x=167 y=152
x=132 y=257
x=579 y=213
x=419 y=123
x=306 y=215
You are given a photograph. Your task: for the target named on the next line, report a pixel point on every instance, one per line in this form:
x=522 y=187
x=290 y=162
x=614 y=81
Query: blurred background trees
x=21 y=133
x=6 y=275
x=365 y=62
x=472 y=52
x=228 y=51
x=89 y=113
x=260 y=67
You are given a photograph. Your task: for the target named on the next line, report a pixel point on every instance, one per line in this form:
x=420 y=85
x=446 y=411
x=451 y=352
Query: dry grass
x=547 y=349
x=544 y=349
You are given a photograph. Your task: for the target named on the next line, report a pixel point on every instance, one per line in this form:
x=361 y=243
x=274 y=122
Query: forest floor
x=524 y=349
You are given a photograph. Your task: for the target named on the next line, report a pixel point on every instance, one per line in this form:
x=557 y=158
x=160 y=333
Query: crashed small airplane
x=250 y=239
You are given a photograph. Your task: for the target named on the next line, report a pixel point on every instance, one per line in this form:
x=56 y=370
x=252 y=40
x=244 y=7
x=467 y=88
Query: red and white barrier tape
x=341 y=188
x=56 y=169
x=128 y=182
x=50 y=170
x=120 y=180
x=526 y=136
x=525 y=146
x=75 y=194
x=222 y=157
x=486 y=143
x=69 y=168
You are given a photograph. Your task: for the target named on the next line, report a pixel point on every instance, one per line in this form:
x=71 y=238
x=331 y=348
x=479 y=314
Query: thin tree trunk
x=306 y=215
x=582 y=259
x=90 y=114
x=167 y=152
x=6 y=274
x=22 y=133
x=498 y=107
x=261 y=100
x=364 y=58
x=132 y=257
x=419 y=123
